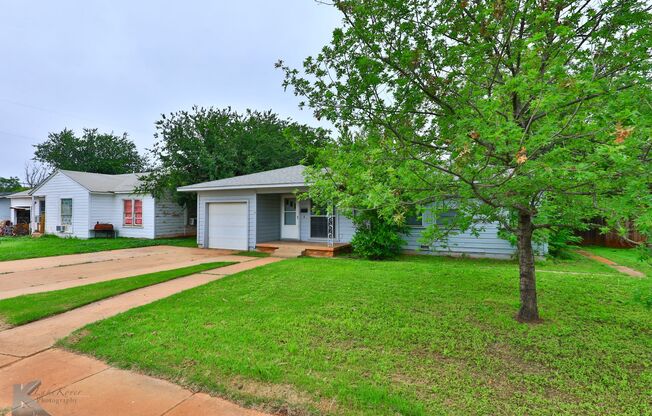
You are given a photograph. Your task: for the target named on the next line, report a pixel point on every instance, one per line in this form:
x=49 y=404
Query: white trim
x=236 y=187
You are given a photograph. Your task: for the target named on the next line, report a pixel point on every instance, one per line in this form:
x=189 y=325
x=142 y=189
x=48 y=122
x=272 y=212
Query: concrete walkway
x=623 y=269
x=76 y=385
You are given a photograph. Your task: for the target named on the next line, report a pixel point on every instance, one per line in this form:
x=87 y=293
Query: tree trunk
x=529 y=311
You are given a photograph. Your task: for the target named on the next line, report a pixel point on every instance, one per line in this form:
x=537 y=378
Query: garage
x=228 y=225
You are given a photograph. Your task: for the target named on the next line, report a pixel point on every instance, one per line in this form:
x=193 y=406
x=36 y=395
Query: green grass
x=18 y=248
x=624 y=256
x=252 y=254
x=419 y=336
x=27 y=308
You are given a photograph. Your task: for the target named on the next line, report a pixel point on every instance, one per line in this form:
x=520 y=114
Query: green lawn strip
x=418 y=336
x=18 y=248
x=623 y=256
x=252 y=254
x=27 y=308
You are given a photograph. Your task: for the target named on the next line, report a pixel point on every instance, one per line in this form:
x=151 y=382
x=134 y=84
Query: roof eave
x=192 y=188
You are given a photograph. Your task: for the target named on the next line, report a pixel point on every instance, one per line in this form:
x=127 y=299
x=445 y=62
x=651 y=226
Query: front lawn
x=27 y=308
x=17 y=248
x=420 y=336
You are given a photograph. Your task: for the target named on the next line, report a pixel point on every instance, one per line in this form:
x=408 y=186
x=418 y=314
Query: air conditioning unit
x=192 y=221
x=63 y=229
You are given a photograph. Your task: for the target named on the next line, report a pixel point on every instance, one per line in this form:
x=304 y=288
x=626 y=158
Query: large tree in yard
x=206 y=144
x=91 y=152
x=533 y=114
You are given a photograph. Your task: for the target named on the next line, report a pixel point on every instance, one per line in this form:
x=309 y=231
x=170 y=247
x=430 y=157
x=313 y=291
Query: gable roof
x=278 y=178
x=100 y=182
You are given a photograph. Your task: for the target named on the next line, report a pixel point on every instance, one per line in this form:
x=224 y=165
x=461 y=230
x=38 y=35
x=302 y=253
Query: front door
x=289 y=218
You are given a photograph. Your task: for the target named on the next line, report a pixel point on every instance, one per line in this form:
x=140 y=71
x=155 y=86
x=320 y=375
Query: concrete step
x=288 y=252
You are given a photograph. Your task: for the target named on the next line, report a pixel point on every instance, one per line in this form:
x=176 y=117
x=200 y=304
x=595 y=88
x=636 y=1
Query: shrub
x=377 y=238
x=559 y=241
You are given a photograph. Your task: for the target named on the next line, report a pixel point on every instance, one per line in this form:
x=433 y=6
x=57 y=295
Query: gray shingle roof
x=285 y=177
x=99 y=182
x=20 y=194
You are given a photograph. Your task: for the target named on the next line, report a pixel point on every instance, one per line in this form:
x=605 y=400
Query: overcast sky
x=117 y=65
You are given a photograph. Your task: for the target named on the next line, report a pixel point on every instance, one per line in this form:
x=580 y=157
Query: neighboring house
x=243 y=211
x=21 y=205
x=5 y=207
x=73 y=202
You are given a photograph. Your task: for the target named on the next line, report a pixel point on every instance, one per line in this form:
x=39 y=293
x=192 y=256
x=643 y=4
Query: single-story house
x=21 y=203
x=245 y=211
x=5 y=207
x=70 y=204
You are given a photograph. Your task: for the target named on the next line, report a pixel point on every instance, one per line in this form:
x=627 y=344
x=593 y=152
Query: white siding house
x=75 y=202
x=243 y=211
x=5 y=208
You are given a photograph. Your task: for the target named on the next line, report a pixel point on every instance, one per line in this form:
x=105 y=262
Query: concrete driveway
x=75 y=385
x=21 y=277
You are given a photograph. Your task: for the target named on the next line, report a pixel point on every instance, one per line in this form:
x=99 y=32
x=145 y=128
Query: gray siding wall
x=5 y=211
x=170 y=220
x=264 y=225
x=486 y=244
x=206 y=197
x=268 y=217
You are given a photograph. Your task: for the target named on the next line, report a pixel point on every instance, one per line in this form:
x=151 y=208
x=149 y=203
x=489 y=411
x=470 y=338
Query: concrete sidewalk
x=76 y=385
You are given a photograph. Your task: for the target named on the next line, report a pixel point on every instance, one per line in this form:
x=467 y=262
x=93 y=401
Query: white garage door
x=227 y=225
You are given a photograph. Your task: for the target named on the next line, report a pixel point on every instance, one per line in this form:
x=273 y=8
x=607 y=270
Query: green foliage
x=535 y=115
x=375 y=237
x=207 y=144
x=560 y=241
x=11 y=184
x=92 y=152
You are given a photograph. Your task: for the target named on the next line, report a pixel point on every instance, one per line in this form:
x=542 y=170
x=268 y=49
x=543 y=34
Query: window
x=414 y=218
x=447 y=217
x=289 y=211
x=66 y=211
x=319 y=222
x=133 y=212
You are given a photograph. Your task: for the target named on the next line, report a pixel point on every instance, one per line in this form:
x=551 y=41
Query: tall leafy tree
x=534 y=114
x=92 y=152
x=10 y=184
x=206 y=144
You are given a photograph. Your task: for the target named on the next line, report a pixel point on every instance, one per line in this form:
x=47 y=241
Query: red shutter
x=128 y=212
x=138 y=211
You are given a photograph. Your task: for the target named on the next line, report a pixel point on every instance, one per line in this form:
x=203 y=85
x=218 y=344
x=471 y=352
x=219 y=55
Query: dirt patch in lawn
x=291 y=401
x=4 y=325
x=77 y=336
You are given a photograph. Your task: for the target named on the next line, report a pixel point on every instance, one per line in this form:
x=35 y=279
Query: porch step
x=288 y=252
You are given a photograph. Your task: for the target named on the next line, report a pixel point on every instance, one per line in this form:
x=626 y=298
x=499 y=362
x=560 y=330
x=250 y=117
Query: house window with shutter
x=133 y=212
